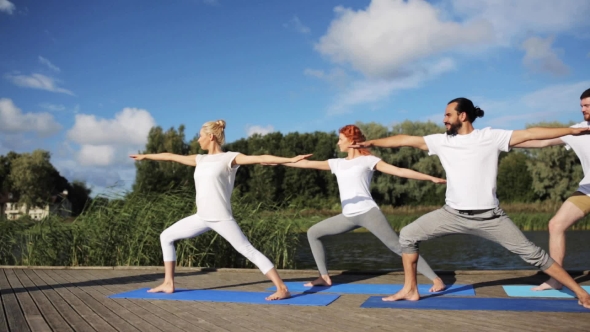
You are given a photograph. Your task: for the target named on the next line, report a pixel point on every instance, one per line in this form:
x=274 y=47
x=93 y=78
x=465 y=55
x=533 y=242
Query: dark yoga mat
x=228 y=296
x=487 y=304
x=385 y=289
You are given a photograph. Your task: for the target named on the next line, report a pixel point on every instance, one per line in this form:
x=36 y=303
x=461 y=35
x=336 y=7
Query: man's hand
x=581 y=131
x=366 y=144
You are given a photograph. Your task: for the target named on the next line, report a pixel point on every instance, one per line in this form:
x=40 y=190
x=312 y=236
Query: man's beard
x=587 y=116
x=454 y=128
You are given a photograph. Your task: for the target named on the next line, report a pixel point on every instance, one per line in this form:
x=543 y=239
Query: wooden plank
x=136 y=309
x=63 y=276
x=79 y=306
x=14 y=316
x=61 y=305
x=253 y=316
x=3 y=321
x=75 y=278
x=155 y=307
x=49 y=312
x=28 y=305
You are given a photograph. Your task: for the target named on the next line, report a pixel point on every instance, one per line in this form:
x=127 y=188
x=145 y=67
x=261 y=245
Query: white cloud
x=389 y=34
x=48 y=63
x=372 y=91
x=295 y=24
x=96 y=155
x=102 y=180
x=334 y=75
x=393 y=39
x=547 y=104
x=541 y=57
x=251 y=130
x=14 y=121
x=105 y=142
x=514 y=19
x=37 y=81
x=7 y=7
x=53 y=107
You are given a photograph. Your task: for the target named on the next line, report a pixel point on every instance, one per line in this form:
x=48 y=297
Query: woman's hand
x=300 y=157
x=439 y=180
x=137 y=156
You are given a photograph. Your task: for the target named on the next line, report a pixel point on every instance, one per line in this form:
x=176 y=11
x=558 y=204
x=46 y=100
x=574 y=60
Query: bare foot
x=584 y=301
x=549 y=284
x=409 y=294
x=437 y=285
x=281 y=294
x=166 y=287
x=321 y=281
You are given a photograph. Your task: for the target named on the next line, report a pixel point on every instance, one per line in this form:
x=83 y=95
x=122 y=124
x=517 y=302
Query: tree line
x=548 y=174
x=525 y=175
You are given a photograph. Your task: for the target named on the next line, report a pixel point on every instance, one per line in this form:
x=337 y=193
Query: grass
x=527 y=216
x=125 y=231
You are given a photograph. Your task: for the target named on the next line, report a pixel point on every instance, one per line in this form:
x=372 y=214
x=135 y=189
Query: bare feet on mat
x=407 y=294
x=437 y=285
x=166 y=287
x=584 y=301
x=321 y=281
x=549 y=284
x=279 y=295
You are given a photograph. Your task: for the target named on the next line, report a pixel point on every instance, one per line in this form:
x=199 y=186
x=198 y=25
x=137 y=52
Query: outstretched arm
x=243 y=159
x=396 y=141
x=406 y=173
x=185 y=160
x=540 y=143
x=314 y=164
x=521 y=136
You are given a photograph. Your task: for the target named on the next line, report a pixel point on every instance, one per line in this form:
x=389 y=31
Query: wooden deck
x=66 y=299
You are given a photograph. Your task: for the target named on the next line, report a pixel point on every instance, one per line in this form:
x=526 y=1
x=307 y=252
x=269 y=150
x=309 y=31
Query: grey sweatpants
x=374 y=221
x=493 y=225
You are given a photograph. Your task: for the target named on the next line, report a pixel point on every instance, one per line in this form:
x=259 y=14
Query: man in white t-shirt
x=470 y=159
x=577 y=206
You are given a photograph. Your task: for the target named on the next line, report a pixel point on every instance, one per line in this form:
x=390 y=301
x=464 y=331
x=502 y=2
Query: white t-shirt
x=581 y=146
x=354 y=183
x=471 y=164
x=214 y=183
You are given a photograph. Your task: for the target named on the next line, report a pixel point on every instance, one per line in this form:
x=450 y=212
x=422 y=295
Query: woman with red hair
x=354 y=175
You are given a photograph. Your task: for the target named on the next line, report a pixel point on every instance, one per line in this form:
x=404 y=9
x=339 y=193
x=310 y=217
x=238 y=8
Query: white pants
x=192 y=226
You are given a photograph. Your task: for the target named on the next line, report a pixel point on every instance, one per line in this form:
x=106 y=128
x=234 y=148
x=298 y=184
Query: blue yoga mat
x=474 y=303
x=228 y=296
x=525 y=291
x=385 y=289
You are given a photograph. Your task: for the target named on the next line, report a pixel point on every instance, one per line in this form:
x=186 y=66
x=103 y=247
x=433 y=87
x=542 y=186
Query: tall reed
x=125 y=231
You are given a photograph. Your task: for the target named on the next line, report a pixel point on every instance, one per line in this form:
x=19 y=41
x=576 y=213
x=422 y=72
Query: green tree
x=5 y=166
x=34 y=179
x=393 y=190
x=79 y=196
x=555 y=170
x=162 y=176
x=514 y=183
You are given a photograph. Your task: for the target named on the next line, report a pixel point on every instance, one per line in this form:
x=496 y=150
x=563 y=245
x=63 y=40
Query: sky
x=86 y=80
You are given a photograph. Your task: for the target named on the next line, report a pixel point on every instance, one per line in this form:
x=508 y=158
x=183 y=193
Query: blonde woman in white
x=214 y=176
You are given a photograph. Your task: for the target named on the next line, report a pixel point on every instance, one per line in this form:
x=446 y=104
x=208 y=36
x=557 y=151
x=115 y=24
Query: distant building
x=59 y=204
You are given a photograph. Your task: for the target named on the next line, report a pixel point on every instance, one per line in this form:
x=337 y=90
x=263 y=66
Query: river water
x=363 y=251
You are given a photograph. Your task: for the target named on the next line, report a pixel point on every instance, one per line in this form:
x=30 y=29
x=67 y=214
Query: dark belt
x=473 y=212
